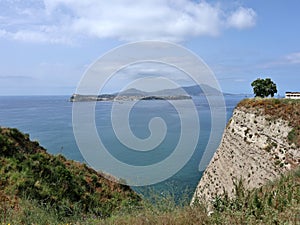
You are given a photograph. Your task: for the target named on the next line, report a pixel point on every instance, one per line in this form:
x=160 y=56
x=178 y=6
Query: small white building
x=292 y=95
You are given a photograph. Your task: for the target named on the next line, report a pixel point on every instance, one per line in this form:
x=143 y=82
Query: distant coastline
x=106 y=97
x=132 y=94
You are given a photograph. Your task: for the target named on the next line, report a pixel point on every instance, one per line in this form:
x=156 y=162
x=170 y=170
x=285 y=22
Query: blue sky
x=46 y=46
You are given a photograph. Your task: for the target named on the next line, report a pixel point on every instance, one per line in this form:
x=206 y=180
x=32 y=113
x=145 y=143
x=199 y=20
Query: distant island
x=106 y=97
x=133 y=94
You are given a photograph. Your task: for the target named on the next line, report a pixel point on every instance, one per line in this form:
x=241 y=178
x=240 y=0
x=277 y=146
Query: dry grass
x=275 y=203
x=286 y=109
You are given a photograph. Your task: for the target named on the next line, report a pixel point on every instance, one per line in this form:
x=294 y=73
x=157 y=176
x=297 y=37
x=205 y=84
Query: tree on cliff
x=264 y=87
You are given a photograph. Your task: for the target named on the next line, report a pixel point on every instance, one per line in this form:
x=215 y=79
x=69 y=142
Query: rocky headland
x=260 y=143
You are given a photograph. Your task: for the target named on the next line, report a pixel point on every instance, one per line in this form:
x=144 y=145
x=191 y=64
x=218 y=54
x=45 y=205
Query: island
x=107 y=97
x=132 y=94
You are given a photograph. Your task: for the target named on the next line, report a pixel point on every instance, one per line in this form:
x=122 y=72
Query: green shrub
x=27 y=171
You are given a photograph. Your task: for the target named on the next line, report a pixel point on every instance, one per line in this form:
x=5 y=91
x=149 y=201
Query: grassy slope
x=28 y=172
x=275 y=203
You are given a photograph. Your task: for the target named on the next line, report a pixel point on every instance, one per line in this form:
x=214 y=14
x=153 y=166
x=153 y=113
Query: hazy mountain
x=190 y=90
x=133 y=92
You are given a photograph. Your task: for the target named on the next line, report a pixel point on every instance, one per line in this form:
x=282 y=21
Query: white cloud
x=286 y=60
x=293 y=58
x=147 y=70
x=242 y=18
x=3 y=33
x=40 y=37
x=35 y=36
x=62 y=21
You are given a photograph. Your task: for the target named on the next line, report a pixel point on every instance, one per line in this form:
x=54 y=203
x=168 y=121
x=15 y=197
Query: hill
x=28 y=172
x=276 y=202
x=135 y=94
x=190 y=90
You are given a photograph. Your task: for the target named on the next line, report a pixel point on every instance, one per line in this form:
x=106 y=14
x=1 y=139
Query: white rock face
x=254 y=148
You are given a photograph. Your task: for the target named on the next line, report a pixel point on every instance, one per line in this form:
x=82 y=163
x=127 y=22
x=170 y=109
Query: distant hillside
x=190 y=90
x=132 y=92
x=27 y=171
x=195 y=90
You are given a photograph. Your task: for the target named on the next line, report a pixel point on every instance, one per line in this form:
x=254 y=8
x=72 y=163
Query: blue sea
x=48 y=119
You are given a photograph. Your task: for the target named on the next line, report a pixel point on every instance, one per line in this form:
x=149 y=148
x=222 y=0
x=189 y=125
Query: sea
x=48 y=120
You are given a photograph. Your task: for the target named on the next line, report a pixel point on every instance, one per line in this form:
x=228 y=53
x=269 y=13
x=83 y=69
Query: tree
x=264 y=87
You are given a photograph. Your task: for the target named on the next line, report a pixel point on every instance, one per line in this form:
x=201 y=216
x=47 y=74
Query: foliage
x=264 y=87
x=27 y=171
x=275 y=203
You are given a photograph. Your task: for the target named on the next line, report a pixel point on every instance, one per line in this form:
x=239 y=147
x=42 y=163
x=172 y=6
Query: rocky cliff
x=260 y=142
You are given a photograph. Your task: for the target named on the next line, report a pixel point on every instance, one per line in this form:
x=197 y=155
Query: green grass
x=68 y=188
x=277 y=202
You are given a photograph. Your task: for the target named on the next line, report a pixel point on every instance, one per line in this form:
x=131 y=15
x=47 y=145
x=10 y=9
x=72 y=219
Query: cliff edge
x=261 y=141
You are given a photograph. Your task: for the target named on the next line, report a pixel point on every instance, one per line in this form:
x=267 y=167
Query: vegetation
x=276 y=203
x=29 y=174
x=264 y=87
x=287 y=109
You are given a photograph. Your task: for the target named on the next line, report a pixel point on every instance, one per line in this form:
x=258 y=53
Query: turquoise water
x=48 y=119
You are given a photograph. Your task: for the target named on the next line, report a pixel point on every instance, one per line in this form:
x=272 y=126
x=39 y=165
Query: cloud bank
x=66 y=21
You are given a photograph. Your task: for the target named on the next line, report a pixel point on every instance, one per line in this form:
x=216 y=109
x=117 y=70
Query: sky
x=47 y=45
